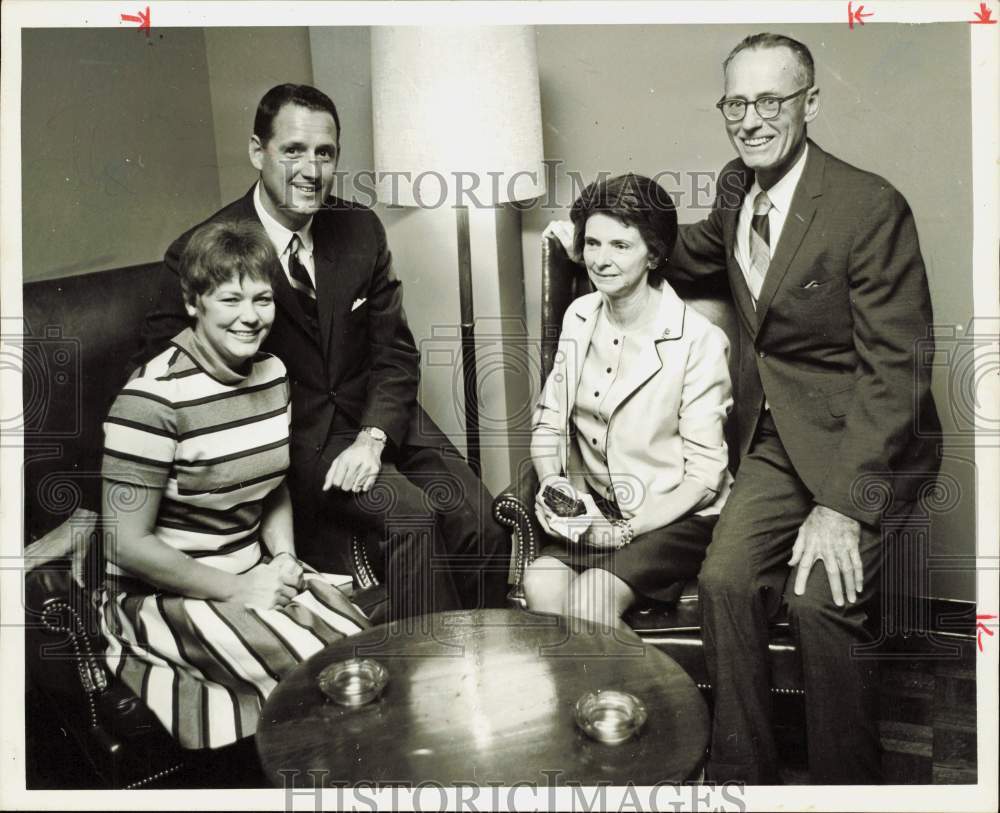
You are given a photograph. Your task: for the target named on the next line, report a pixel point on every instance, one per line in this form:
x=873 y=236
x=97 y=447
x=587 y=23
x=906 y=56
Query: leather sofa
x=674 y=626
x=78 y=334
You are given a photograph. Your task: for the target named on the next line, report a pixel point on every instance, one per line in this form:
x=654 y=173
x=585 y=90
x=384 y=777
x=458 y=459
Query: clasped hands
x=356 y=468
x=271 y=584
x=598 y=532
x=834 y=538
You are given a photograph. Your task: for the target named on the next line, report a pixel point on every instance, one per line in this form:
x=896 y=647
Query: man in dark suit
x=363 y=453
x=829 y=284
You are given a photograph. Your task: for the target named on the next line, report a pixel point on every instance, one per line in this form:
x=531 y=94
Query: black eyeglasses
x=767 y=107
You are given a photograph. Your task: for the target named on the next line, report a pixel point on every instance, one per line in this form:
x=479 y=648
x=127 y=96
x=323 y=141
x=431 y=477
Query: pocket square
x=358 y=303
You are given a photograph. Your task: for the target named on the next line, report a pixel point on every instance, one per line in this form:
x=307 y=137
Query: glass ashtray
x=610 y=716
x=353 y=682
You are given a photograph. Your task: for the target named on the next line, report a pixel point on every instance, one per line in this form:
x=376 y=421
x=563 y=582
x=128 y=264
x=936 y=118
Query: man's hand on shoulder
x=829 y=536
x=562 y=230
x=356 y=468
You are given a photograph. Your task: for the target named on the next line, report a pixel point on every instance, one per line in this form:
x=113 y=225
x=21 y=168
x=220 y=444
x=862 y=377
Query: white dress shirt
x=281 y=237
x=780 y=196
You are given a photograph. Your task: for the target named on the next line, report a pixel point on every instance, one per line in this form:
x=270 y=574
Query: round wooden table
x=484 y=696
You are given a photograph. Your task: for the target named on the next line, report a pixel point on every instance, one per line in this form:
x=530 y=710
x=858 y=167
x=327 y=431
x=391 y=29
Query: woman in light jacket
x=630 y=420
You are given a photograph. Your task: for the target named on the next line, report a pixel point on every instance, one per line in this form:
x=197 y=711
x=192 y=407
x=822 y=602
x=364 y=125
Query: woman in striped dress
x=205 y=605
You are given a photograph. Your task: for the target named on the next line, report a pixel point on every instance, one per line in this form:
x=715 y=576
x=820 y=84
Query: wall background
x=236 y=83
x=115 y=160
x=127 y=142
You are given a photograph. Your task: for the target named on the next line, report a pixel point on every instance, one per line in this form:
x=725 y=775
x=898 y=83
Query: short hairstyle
x=633 y=200
x=217 y=252
x=767 y=40
x=288 y=93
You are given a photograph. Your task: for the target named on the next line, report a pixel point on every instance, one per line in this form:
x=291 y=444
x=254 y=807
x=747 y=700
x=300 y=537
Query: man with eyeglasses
x=830 y=288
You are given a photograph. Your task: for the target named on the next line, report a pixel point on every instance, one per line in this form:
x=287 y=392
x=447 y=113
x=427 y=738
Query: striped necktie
x=760 y=244
x=300 y=279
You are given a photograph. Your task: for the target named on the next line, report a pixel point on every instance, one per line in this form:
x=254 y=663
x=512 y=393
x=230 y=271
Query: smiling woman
x=226 y=278
x=206 y=605
x=616 y=257
x=234 y=319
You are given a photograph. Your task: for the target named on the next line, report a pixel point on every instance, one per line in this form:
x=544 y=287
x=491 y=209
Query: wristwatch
x=375 y=434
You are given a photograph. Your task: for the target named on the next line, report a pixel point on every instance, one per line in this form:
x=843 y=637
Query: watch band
x=375 y=433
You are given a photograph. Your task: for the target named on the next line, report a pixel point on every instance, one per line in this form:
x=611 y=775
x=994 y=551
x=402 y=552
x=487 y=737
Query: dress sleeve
x=140 y=439
x=549 y=422
x=706 y=399
x=288 y=402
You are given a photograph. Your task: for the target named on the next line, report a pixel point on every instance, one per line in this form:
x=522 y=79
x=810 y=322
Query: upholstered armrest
x=362 y=569
x=514 y=509
x=64 y=660
x=60 y=635
x=61 y=625
x=562 y=281
x=62 y=654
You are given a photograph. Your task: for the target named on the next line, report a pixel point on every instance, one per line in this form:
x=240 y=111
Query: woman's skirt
x=653 y=562
x=206 y=667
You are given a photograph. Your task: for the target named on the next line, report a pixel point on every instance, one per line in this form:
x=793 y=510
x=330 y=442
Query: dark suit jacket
x=363 y=365
x=847 y=383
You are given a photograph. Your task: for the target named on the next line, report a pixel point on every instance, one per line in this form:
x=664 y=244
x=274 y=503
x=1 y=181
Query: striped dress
x=215 y=444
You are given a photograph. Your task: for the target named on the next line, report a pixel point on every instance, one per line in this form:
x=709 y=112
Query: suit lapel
x=577 y=343
x=737 y=282
x=328 y=290
x=800 y=216
x=669 y=326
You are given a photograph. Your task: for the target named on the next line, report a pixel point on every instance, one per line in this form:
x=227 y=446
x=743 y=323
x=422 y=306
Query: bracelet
x=628 y=534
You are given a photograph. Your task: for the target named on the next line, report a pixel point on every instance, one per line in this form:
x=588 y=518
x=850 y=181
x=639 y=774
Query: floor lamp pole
x=468 y=338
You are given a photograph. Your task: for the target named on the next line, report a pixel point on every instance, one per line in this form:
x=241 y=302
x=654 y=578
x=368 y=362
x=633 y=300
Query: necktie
x=300 y=279
x=760 y=244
